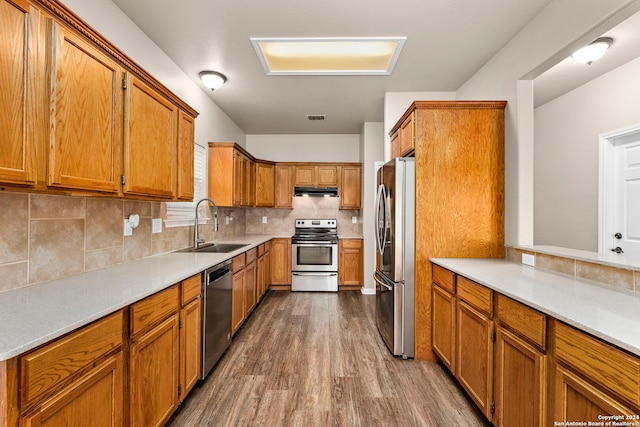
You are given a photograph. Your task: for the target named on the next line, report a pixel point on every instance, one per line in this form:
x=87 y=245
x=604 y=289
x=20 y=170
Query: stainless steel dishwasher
x=216 y=314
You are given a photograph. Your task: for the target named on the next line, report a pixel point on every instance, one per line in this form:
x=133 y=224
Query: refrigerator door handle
x=381 y=198
x=381 y=283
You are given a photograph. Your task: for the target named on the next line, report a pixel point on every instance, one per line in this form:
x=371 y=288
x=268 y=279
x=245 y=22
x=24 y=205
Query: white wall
x=212 y=124
x=566 y=155
x=550 y=37
x=395 y=105
x=372 y=150
x=305 y=148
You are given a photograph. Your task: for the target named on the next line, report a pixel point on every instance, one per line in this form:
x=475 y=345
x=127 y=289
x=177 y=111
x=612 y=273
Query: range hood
x=316 y=191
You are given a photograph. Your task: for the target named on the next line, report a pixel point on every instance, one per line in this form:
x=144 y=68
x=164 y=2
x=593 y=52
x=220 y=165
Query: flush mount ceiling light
x=328 y=55
x=593 y=50
x=212 y=79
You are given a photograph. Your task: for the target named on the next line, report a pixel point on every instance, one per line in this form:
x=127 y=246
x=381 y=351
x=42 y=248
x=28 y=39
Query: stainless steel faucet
x=196 y=238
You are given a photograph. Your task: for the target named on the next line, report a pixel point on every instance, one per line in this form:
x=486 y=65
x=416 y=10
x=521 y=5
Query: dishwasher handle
x=216 y=275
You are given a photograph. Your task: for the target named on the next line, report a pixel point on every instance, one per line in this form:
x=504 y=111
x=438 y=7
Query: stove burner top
x=322 y=230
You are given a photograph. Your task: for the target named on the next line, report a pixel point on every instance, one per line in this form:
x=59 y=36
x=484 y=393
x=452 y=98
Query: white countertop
x=36 y=314
x=610 y=314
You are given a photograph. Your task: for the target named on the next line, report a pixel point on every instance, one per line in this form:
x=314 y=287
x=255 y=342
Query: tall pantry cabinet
x=459 y=151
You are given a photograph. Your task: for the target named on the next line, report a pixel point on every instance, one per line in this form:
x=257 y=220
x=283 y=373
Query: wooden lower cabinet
x=190 y=346
x=350 y=263
x=153 y=374
x=250 y=288
x=281 y=262
x=237 y=301
x=94 y=399
x=263 y=265
x=578 y=400
x=444 y=322
x=474 y=352
x=520 y=382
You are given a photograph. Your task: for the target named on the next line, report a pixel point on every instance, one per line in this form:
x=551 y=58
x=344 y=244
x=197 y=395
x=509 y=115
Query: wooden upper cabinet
x=316 y=175
x=17 y=111
x=327 y=175
x=284 y=186
x=231 y=175
x=149 y=141
x=350 y=188
x=403 y=137
x=86 y=116
x=186 y=141
x=265 y=184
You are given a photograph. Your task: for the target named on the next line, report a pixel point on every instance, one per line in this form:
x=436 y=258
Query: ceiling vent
x=316 y=116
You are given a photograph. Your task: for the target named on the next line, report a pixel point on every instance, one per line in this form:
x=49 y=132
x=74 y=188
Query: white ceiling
x=447 y=42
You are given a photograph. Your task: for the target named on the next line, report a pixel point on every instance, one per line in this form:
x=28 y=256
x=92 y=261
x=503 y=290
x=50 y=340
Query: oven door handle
x=316 y=244
x=314 y=274
x=381 y=283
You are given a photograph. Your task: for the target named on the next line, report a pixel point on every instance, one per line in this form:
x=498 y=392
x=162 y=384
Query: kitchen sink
x=216 y=248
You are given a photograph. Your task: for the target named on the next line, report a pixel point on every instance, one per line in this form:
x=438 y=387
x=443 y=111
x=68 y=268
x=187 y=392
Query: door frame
x=606 y=184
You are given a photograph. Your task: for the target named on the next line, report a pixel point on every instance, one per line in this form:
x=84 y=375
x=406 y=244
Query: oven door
x=314 y=256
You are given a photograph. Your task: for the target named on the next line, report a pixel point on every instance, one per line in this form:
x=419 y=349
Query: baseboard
x=368 y=291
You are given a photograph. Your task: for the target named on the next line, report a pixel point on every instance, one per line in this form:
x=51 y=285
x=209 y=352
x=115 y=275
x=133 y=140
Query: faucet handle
x=198 y=241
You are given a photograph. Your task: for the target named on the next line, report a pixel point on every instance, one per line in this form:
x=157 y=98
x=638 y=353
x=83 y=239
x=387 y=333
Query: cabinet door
x=305 y=175
x=395 y=144
x=474 y=352
x=237 y=301
x=86 y=116
x=238 y=178
x=248 y=182
x=284 y=186
x=327 y=175
x=265 y=185
x=444 y=321
x=190 y=345
x=153 y=374
x=17 y=110
x=407 y=140
x=350 y=262
x=250 y=290
x=186 y=141
x=281 y=261
x=577 y=400
x=150 y=141
x=520 y=382
x=350 y=187
x=94 y=399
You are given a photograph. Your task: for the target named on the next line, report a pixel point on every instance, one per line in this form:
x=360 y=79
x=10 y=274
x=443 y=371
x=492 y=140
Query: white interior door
x=620 y=231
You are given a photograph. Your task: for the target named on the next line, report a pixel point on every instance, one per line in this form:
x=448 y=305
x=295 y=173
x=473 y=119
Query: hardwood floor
x=316 y=359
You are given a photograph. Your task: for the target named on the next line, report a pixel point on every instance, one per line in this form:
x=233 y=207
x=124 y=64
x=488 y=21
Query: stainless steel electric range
x=314 y=255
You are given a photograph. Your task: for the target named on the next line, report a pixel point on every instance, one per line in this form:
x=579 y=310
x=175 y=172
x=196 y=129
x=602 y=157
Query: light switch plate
x=128 y=231
x=156 y=225
x=528 y=259
x=354 y=219
x=264 y=219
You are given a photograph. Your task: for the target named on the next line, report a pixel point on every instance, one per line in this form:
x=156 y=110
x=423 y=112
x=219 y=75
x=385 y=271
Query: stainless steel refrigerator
x=395 y=255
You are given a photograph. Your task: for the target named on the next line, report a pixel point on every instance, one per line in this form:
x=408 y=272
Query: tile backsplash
x=47 y=237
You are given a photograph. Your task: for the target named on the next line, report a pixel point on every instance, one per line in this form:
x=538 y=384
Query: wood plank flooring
x=316 y=359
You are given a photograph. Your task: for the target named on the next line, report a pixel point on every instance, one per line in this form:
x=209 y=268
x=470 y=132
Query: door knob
x=618 y=236
x=617 y=250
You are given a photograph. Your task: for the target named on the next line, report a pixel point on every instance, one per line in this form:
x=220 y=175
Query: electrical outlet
x=264 y=219
x=128 y=231
x=528 y=259
x=156 y=225
x=354 y=219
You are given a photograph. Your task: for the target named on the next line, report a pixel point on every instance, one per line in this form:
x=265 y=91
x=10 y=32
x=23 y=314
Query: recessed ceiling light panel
x=328 y=55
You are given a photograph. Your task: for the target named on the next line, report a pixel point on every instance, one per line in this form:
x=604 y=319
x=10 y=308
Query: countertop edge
x=598 y=310
x=37 y=314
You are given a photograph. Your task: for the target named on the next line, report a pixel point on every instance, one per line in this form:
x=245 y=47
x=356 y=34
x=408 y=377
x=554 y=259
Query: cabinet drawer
x=44 y=369
x=445 y=278
x=476 y=295
x=351 y=243
x=605 y=366
x=153 y=309
x=238 y=262
x=262 y=249
x=527 y=322
x=191 y=288
x=251 y=255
